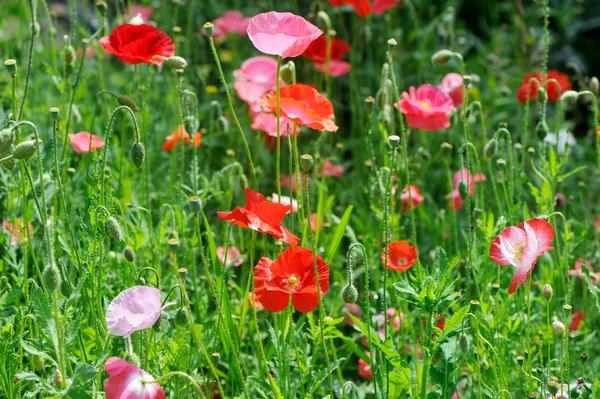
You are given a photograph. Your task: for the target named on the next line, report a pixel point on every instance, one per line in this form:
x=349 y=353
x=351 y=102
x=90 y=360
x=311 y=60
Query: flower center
x=402 y=261
x=519 y=251
x=292 y=282
x=425 y=104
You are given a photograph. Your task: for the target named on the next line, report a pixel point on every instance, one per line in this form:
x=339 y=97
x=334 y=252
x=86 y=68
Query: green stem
x=278 y=123
x=32 y=8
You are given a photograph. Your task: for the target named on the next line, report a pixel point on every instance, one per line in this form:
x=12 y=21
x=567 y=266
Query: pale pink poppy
x=138 y=15
x=281 y=33
x=231 y=22
x=285 y=200
x=394 y=318
x=126 y=381
x=336 y=68
x=330 y=169
x=354 y=310
x=417 y=198
x=463 y=175
x=521 y=246
x=452 y=84
x=18 y=234
x=578 y=271
x=81 y=142
x=234 y=256
x=286 y=180
x=267 y=122
x=426 y=108
x=255 y=77
x=381 y=6
x=134 y=309
x=313 y=223
x=364 y=369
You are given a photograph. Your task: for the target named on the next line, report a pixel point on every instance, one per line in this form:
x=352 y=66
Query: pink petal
x=508 y=245
x=81 y=142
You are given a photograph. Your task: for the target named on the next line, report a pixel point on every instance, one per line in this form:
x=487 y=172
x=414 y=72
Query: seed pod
x=463 y=343
x=138 y=154
x=173 y=244
x=441 y=57
x=195 y=204
x=350 y=294
x=176 y=63
x=501 y=163
x=128 y=254
x=209 y=29
x=553 y=387
x=306 y=162
x=11 y=67
x=132 y=358
x=112 y=227
x=128 y=102
x=51 y=277
x=394 y=141
x=370 y=104
x=7 y=139
x=156 y=326
x=54 y=113
x=181 y=317
x=25 y=149
x=547 y=292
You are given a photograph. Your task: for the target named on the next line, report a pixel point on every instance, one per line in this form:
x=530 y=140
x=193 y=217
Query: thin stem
x=278 y=123
x=32 y=8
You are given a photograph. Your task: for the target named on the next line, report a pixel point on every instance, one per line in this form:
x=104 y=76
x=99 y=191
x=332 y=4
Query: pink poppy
x=576 y=321
x=521 y=246
x=417 y=198
x=230 y=22
x=234 y=256
x=18 y=234
x=81 y=142
x=267 y=122
x=597 y=223
x=426 y=108
x=394 y=318
x=354 y=310
x=134 y=309
x=126 y=381
x=330 y=169
x=364 y=369
x=452 y=84
x=255 y=77
x=381 y=6
x=313 y=223
x=578 y=271
x=286 y=180
x=336 y=68
x=139 y=15
x=281 y=33
x=287 y=201
x=463 y=175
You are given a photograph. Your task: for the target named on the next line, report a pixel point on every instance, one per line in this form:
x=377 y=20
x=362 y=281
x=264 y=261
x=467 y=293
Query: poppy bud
x=583 y=358
x=195 y=203
x=25 y=149
x=491 y=148
x=441 y=57
x=463 y=190
x=446 y=149
x=38 y=364
x=11 y=67
x=306 y=162
x=547 y=291
x=394 y=141
x=181 y=317
x=542 y=96
x=501 y=163
x=558 y=327
x=208 y=29
x=568 y=309
x=594 y=85
x=467 y=79
x=370 y=104
x=288 y=72
x=158 y=322
x=69 y=55
x=10 y=162
x=477 y=213
x=392 y=43
x=58 y=379
x=463 y=343
x=112 y=226
x=569 y=96
x=350 y=294
x=138 y=154
x=173 y=244
x=6 y=140
x=216 y=108
x=323 y=21
x=101 y=7
x=222 y=124
x=54 y=113
x=176 y=63
x=129 y=254
x=128 y=102
x=190 y=123
x=553 y=387
x=132 y=358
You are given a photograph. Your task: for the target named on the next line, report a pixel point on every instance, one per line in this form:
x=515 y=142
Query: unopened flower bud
x=323 y=21
x=128 y=102
x=542 y=96
x=491 y=148
x=463 y=190
x=394 y=141
x=112 y=227
x=173 y=244
x=594 y=85
x=288 y=72
x=11 y=67
x=138 y=154
x=463 y=343
x=441 y=57
x=54 y=113
x=58 y=379
x=25 y=149
x=128 y=254
x=501 y=163
x=350 y=294
x=558 y=327
x=51 y=277
x=38 y=364
x=306 y=162
x=7 y=138
x=569 y=96
x=66 y=288
x=176 y=63
x=223 y=124
x=181 y=317
x=195 y=203
x=158 y=323
x=69 y=55
x=370 y=104
x=547 y=292
x=132 y=358
x=209 y=29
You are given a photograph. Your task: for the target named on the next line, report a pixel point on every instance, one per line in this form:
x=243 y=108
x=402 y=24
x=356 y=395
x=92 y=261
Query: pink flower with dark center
x=126 y=381
x=330 y=169
x=231 y=22
x=381 y=6
x=281 y=33
x=463 y=175
x=415 y=194
x=426 y=108
x=255 y=77
x=18 y=234
x=521 y=246
x=578 y=271
x=452 y=84
x=134 y=309
x=81 y=142
x=234 y=256
x=267 y=122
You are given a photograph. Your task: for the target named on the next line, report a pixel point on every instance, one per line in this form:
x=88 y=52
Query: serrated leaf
x=27 y=376
x=456 y=319
x=43 y=313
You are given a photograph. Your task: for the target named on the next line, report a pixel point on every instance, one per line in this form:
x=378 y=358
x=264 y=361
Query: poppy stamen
x=292 y=282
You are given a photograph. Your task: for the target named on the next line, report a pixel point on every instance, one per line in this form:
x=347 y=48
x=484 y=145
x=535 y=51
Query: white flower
x=566 y=140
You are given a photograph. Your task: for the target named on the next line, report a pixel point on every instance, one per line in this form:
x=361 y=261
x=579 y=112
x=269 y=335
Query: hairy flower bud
x=25 y=149
x=350 y=294
x=128 y=254
x=181 y=317
x=7 y=138
x=463 y=190
x=542 y=96
x=112 y=227
x=58 y=379
x=176 y=63
x=491 y=148
x=156 y=326
x=38 y=364
x=441 y=57
x=323 y=21
x=463 y=343
x=569 y=96
x=132 y=358
x=558 y=327
x=128 y=102
x=547 y=292
x=138 y=154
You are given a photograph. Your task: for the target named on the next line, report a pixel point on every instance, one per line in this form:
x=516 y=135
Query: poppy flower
x=354 y=310
x=261 y=216
x=126 y=381
x=304 y=105
x=578 y=271
x=330 y=169
x=521 y=246
x=267 y=122
x=362 y=7
x=137 y=44
x=234 y=256
x=463 y=175
x=281 y=33
x=255 y=77
x=597 y=223
x=401 y=256
x=317 y=53
x=18 y=234
x=253 y=302
x=381 y=6
x=134 y=309
x=292 y=274
x=231 y=22
x=286 y=180
x=576 y=320
x=315 y=225
x=364 y=369
x=172 y=140
x=81 y=142
x=139 y=15
x=452 y=84
x=285 y=200
x=426 y=108
x=553 y=90
x=417 y=198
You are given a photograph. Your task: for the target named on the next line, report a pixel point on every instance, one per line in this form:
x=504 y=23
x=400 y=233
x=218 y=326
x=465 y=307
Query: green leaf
x=83 y=373
x=42 y=309
x=399 y=382
x=592 y=287
x=33 y=351
x=338 y=234
x=26 y=376
x=456 y=319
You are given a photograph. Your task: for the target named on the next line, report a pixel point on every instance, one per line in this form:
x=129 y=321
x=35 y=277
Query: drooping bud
x=128 y=102
x=547 y=292
x=558 y=327
x=594 y=85
x=38 y=364
x=138 y=154
x=441 y=57
x=195 y=203
x=156 y=326
x=350 y=294
x=51 y=277
x=129 y=254
x=463 y=190
x=288 y=72
x=25 y=149
x=323 y=21
x=11 y=67
x=491 y=148
x=176 y=63
x=569 y=96
x=306 y=162
x=209 y=29
x=216 y=109
x=181 y=317
x=394 y=141
x=112 y=227
x=463 y=343
x=223 y=124
x=7 y=137
x=542 y=96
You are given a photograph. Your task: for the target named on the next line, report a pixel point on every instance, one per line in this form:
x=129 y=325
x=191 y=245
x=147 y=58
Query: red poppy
x=292 y=274
x=362 y=7
x=261 y=216
x=172 y=140
x=137 y=44
x=381 y=6
x=317 y=53
x=576 y=320
x=364 y=369
x=553 y=90
x=401 y=256
x=304 y=105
